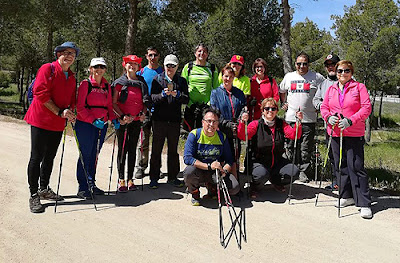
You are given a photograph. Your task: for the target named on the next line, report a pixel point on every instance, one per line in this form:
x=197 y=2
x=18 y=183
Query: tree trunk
x=49 y=51
x=285 y=37
x=132 y=28
x=380 y=111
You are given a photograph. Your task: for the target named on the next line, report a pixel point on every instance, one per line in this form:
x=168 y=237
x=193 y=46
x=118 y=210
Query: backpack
x=29 y=93
x=90 y=87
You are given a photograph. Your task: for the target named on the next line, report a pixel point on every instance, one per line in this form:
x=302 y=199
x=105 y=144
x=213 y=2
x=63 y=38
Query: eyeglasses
x=68 y=53
x=270 y=108
x=300 y=64
x=99 y=66
x=152 y=55
x=340 y=71
x=210 y=121
x=170 y=66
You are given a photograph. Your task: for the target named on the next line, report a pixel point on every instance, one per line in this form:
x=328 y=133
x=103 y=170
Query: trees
x=285 y=37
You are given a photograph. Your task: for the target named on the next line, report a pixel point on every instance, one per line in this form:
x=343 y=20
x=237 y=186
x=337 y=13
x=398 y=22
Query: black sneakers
x=34 y=204
x=48 y=194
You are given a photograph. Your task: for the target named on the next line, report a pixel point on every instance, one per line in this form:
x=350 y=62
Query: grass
x=9 y=94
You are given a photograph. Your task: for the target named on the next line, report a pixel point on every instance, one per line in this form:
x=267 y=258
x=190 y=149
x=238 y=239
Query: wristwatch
x=209 y=166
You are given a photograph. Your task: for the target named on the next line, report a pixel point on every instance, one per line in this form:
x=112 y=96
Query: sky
x=319 y=11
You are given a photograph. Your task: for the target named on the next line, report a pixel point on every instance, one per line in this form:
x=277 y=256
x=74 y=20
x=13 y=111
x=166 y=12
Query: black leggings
x=44 y=145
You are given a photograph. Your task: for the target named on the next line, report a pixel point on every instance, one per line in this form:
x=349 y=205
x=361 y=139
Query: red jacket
x=59 y=89
x=260 y=92
x=356 y=107
x=98 y=97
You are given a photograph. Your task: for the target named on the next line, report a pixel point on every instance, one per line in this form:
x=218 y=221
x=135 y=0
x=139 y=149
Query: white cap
x=171 y=59
x=97 y=61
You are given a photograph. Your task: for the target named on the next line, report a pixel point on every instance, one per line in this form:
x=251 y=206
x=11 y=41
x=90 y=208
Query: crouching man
x=207 y=150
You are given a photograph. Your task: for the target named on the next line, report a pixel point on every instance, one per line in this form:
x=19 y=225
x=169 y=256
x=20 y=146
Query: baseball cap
x=97 y=61
x=171 y=59
x=237 y=59
x=333 y=58
x=132 y=58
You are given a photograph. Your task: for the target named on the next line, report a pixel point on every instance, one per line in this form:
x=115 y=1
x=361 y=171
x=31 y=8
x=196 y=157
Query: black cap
x=333 y=58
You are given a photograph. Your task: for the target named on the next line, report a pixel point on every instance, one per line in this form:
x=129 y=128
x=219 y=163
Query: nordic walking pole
x=108 y=137
x=325 y=161
x=247 y=155
x=112 y=162
x=83 y=165
x=294 y=158
x=340 y=165
x=221 y=226
x=122 y=154
x=59 y=173
x=141 y=147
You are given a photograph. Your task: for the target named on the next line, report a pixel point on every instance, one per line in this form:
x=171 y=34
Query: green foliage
x=5 y=79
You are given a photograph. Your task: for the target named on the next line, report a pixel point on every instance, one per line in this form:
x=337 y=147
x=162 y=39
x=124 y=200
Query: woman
x=130 y=103
x=52 y=106
x=262 y=86
x=267 y=137
x=241 y=81
x=230 y=101
x=168 y=92
x=345 y=108
x=94 y=109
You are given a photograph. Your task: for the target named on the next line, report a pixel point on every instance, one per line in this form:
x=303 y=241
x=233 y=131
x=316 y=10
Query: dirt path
x=161 y=225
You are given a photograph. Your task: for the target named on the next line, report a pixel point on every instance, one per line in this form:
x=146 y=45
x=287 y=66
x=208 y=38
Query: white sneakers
x=366 y=212
x=346 y=202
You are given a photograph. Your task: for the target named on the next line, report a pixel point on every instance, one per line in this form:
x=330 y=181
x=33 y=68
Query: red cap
x=131 y=58
x=238 y=59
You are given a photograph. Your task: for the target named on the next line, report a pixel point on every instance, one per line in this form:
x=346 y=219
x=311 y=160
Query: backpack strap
x=90 y=87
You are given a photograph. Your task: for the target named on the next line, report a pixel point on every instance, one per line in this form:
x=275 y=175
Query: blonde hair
x=346 y=63
x=268 y=100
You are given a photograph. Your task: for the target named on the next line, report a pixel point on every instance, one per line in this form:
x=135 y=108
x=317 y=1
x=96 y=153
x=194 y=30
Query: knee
x=189 y=172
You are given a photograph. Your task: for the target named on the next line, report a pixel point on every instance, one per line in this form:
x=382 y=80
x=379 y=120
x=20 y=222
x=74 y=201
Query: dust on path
x=161 y=225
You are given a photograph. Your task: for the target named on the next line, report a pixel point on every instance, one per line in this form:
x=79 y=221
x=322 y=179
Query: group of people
x=222 y=108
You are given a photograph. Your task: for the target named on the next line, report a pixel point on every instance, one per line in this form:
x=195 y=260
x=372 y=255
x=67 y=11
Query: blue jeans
x=90 y=140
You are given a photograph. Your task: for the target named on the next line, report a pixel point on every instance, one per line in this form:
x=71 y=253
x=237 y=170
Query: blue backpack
x=29 y=93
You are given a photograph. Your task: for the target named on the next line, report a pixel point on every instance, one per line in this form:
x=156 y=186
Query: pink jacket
x=100 y=98
x=356 y=107
x=56 y=87
x=261 y=91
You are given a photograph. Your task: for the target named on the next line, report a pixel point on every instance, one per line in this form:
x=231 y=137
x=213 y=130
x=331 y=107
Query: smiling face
x=302 y=65
x=152 y=57
x=66 y=57
x=236 y=67
x=97 y=71
x=210 y=123
x=259 y=70
x=343 y=73
x=201 y=54
x=330 y=68
x=131 y=67
x=170 y=70
x=269 y=110
x=227 y=78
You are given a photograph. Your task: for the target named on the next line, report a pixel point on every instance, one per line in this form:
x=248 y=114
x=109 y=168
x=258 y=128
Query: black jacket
x=168 y=108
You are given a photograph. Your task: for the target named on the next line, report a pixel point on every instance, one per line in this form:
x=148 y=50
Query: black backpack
x=90 y=87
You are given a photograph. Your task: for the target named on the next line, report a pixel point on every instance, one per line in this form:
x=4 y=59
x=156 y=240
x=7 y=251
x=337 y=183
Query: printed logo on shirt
x=102 y=91
x=300 y=86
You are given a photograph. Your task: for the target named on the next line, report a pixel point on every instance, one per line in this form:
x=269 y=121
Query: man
x=53 y=104
x=148 y=73
x=202 y=77
x=330 y=63
x=169 y=91
x=297 y=91
x=206 y=150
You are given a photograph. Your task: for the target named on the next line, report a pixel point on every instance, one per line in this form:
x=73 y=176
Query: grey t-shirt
x=300 y=91
x=320 y=94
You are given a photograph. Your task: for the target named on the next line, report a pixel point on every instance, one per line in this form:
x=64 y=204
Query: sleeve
x=365 y=109
x=226 y=153
x=84 y=113
x=111 y=113
x=156 y=92
x=246 y=86
x=283 y=87
x=184 y=98
x=220 y=78
x=215 y=81
x=251 y=130
x=43 y=81
x=317 y=100
x=275 y=90
x=290 y=132
x=146 y=97
x=324 y=109
x=184 y=73
x=189 y=152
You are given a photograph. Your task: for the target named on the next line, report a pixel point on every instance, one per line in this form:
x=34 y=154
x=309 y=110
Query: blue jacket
x=221 y=99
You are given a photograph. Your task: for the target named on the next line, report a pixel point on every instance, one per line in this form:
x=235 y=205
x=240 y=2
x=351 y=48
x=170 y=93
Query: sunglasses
x=270 y=108
x=236 y=63
x=304 y=64
x=330 y=65
x=170 y=66
x=210 y=121
x=99 y=66
x=340 y=71
x=152 y=55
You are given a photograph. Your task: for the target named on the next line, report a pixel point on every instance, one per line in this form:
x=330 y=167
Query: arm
x=275 y=90
x=190 y=150
x=365 y=109
x=111 y=114
x=184 y=90
x=290 y=132
x=317 y=100
x=251 y=130
x=157 y=92
x=214 y=81
x=83 y=112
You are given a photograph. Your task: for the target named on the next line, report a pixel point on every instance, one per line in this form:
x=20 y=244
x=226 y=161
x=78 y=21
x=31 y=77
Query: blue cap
x=66 y=45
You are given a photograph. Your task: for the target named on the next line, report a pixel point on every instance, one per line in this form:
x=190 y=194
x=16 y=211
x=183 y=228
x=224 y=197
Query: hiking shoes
x=48 y=194
x=195 y=202
x=366 y=212
x=346 y=202
x=131 y=186
x=97 y=191
x=153 y=184
x=122 y=186
x=303 y=177
x=85 y=195
x=176 y=182
x=34 y=204
x=140 y=174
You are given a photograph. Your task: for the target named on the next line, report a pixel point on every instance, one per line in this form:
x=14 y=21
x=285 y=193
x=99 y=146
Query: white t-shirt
x=300 y=91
